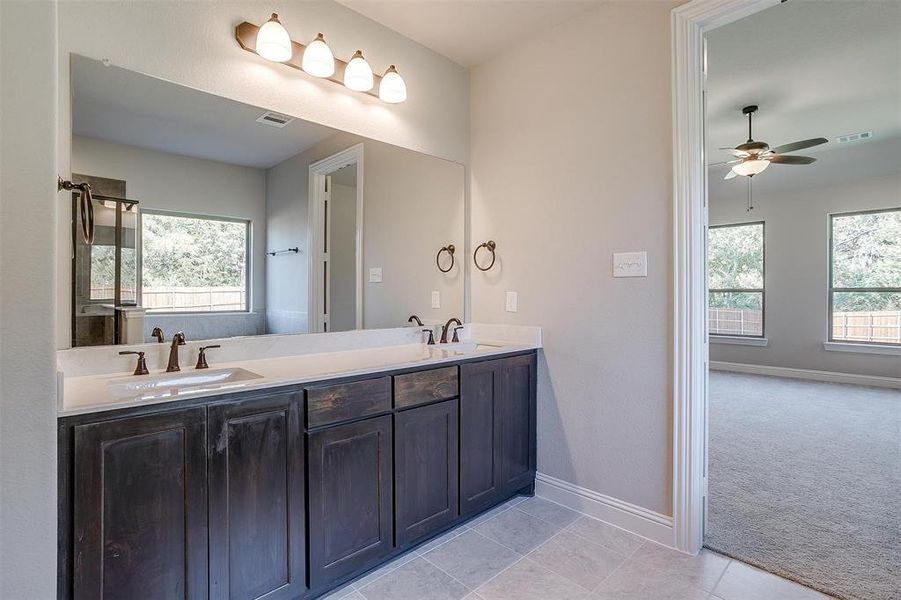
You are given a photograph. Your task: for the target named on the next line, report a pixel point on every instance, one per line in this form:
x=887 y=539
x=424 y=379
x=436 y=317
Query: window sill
x=737 y=340
x=195 y=313
x=862 y=348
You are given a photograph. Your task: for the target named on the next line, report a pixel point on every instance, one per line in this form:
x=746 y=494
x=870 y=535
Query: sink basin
x=142 y=387
x=467 y=348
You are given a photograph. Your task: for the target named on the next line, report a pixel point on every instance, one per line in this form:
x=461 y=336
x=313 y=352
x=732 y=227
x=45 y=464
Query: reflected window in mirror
x=192 y=263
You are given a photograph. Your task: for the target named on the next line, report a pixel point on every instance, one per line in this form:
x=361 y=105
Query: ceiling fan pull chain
x=750 y=200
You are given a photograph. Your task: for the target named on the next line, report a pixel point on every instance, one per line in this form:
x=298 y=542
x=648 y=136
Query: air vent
x=854 y=137
x=275 y=119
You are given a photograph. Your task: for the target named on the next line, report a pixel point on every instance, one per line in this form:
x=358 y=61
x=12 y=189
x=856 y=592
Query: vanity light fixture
x=272 y=42
x=358 y=73
x=318 y=59
x=392 y=89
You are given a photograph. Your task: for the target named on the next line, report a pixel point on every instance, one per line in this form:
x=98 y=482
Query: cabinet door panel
x=426 y=469
x=517 y=422
x=350 y=496
x=140 y=507
x=257 y=542
x=480 y=468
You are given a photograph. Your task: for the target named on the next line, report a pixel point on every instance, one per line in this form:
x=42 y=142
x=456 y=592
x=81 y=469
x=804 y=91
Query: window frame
x=831 y=289
x=248 y=264
x=761 y=291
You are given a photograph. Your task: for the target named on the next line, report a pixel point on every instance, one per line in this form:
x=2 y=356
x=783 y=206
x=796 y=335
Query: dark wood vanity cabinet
x=497 y=430
x=351 y=498
x=256 y=481
x=139 y=507
x=287 y=493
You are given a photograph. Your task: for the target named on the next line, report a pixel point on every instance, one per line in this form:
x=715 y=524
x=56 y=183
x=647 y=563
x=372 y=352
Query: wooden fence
x=735 y=321
x=188 y=299
x=882 y=326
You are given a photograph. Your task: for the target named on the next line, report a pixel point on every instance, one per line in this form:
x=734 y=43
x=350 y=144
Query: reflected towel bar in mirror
x=490 y=246
x=285 y=251
x=450 y=249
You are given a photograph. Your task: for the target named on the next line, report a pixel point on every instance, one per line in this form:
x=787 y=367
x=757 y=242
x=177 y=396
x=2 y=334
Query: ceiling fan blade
x=731 y=175
x=791 y=160
x=736 y=152
x=724 y=162
x=800 y=145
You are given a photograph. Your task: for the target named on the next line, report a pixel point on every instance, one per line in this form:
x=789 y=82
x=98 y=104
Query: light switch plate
x=512 y=302
x=630 y=264
x=375 y=275
x=436 y=299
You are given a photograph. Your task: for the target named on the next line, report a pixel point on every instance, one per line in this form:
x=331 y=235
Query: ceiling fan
x=754 y=157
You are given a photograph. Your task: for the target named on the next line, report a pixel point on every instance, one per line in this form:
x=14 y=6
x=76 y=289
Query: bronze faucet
x=447 y=328
x=177 y=340
x=415 y=318
x=158 y=334
x=141 y=369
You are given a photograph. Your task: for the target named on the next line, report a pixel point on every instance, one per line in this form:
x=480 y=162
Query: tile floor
x=533 y=549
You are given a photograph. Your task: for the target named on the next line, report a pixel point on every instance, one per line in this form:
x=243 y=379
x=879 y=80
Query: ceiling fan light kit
x=754 y=157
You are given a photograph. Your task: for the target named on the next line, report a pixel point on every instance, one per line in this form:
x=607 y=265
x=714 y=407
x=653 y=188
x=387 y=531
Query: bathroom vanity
x=288 y=491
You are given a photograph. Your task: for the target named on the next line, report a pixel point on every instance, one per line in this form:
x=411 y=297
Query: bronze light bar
x=246 y=34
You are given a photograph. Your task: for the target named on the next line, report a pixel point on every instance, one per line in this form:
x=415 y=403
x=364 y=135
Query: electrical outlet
x=630 y=264
x=512 y=302
x=436 y=299
x=375 y=275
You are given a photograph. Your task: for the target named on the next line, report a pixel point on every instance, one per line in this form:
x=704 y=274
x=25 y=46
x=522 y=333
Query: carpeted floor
x=805 y=481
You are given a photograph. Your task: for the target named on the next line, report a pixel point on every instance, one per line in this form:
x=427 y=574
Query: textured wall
x=571 y=161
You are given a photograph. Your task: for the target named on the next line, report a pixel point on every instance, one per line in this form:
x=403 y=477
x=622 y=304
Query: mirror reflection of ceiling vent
x=854 y=137
x=275 y=119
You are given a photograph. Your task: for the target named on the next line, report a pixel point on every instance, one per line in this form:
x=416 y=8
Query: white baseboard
x=635 y=519
x=827 y=376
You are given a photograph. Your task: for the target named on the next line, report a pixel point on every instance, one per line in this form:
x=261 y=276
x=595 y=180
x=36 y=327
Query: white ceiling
x=816 y=69
x=125 y=107
x=469 y=32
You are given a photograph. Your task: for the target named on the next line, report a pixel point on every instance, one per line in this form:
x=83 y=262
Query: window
x=192 y=263
x=735 y=276
x=865 y=277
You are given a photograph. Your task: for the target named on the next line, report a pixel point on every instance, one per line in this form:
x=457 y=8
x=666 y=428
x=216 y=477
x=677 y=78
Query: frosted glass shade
x=358 y=73
x=273 y=41
x=392 y=89
x=751 y=167
x=318 y=59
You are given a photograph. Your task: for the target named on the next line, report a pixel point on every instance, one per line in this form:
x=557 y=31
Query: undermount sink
x=467 y=348
x=142 y=387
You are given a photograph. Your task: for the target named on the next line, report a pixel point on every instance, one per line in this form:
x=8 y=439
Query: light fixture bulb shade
x=318 y=59
x=750 y=167
x=392 y=89
x=273 y=41
x=358 y=73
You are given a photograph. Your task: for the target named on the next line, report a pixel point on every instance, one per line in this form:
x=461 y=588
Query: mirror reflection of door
x=340 y=224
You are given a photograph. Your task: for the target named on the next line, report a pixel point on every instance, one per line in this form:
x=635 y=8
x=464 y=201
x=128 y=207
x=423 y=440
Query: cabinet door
x=140 y=507
x=517 y=421
x=480 y=467
x=257 y=538
x=350 y=498
x=425 y=469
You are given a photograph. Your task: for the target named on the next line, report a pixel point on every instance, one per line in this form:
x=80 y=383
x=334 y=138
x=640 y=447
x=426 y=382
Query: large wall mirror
x=222 y=219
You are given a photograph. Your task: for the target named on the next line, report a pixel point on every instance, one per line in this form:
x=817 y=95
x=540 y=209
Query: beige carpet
x=805 y=481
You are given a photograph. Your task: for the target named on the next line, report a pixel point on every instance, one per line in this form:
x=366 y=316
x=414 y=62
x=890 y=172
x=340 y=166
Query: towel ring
x=491 y=246
x=450 y=249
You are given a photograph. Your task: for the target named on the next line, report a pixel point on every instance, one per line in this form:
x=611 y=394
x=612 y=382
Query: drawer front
x=336 y=403
x=425 y=386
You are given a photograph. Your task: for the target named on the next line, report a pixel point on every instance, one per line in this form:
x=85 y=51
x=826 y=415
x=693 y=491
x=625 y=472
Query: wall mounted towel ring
x=491 y=246
x=450 y=249
x=86 y=205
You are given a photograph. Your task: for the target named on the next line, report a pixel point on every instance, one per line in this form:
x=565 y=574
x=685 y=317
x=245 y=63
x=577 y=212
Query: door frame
x=318 y=172
x=690 y=22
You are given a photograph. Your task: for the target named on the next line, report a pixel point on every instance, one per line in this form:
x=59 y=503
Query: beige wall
x=797 y=273
x=571 y=161
x=343 y=278
x=412 y=206
x=163 y=181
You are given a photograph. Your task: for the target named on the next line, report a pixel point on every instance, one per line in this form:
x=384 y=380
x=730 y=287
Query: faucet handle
x=431 y=333
x=201 y=358
x=141 y=369
x=456 y=337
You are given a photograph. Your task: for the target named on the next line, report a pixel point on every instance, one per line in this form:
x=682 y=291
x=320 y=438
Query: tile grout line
x=468 y=589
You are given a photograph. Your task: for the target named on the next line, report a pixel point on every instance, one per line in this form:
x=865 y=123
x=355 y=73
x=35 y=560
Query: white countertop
x=92 y=391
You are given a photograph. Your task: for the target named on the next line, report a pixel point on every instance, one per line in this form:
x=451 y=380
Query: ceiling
x=815 y=69
x=125 y=107
x=469 y=32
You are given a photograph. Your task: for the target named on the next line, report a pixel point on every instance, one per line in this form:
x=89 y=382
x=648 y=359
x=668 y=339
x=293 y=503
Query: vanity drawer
x=335 y=403
x=425 y=386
